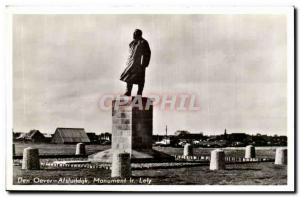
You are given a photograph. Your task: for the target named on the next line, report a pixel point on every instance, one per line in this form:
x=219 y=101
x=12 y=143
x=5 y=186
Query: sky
x=235 y=65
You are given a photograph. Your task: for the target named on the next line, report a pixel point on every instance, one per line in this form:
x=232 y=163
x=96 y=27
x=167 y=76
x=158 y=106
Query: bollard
x=250 y=152
x=217 y=160
x=121 y=165
x=14 y=149
x=281 y=156
x=188 y=150
x=80 y=149
x=31 y=159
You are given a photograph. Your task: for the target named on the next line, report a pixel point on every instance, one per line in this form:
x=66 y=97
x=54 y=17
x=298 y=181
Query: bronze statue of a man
x=138 y=60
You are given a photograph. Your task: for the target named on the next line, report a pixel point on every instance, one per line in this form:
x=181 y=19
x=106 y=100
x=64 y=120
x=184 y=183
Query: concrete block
x=250 y=152
x=217 y=160
x=80 y=149
x=31 y=159
x=281 y=156
x=121 y=165
x=188 y=150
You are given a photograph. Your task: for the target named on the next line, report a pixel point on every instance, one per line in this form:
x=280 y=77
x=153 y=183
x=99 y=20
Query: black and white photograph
x=186 y=100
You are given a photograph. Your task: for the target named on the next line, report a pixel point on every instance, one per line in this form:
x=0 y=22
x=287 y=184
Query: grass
x=58 y=149
x=69 y=149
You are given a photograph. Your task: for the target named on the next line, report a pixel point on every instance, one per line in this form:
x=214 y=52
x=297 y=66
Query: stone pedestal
x=132 y=119
x=132 y=127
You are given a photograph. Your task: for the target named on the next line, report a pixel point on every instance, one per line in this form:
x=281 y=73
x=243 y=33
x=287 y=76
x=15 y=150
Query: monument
x=132 y=128
x=132 y=117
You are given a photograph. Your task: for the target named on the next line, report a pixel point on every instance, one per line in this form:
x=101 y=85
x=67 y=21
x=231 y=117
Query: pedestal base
x=132 y=119
x=137 y=156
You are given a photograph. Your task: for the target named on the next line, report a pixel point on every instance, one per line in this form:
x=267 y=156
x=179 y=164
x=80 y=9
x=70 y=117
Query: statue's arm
x=146 y=55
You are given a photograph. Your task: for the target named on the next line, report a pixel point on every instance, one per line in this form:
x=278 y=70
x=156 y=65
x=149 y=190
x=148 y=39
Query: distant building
x=48 y=137
x=237 y=136
x=190 y=136
x=93 y=138
x=105 y=137
x=16 y=135
x=164 y=142
x=169 y=140
x=70 y=136
x=34 y=136
x=157 y=138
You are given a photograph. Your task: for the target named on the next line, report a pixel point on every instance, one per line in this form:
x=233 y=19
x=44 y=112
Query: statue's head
x=137 y=34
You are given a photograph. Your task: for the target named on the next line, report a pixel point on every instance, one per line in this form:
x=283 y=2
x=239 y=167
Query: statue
x=138 y=61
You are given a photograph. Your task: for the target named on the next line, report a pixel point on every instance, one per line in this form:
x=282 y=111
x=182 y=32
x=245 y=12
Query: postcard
x=145 y=99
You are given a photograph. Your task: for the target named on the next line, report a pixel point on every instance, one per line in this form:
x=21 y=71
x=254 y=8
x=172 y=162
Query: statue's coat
x=138 y=60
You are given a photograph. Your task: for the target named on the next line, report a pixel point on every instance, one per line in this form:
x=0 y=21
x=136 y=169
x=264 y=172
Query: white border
x=162 y=9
